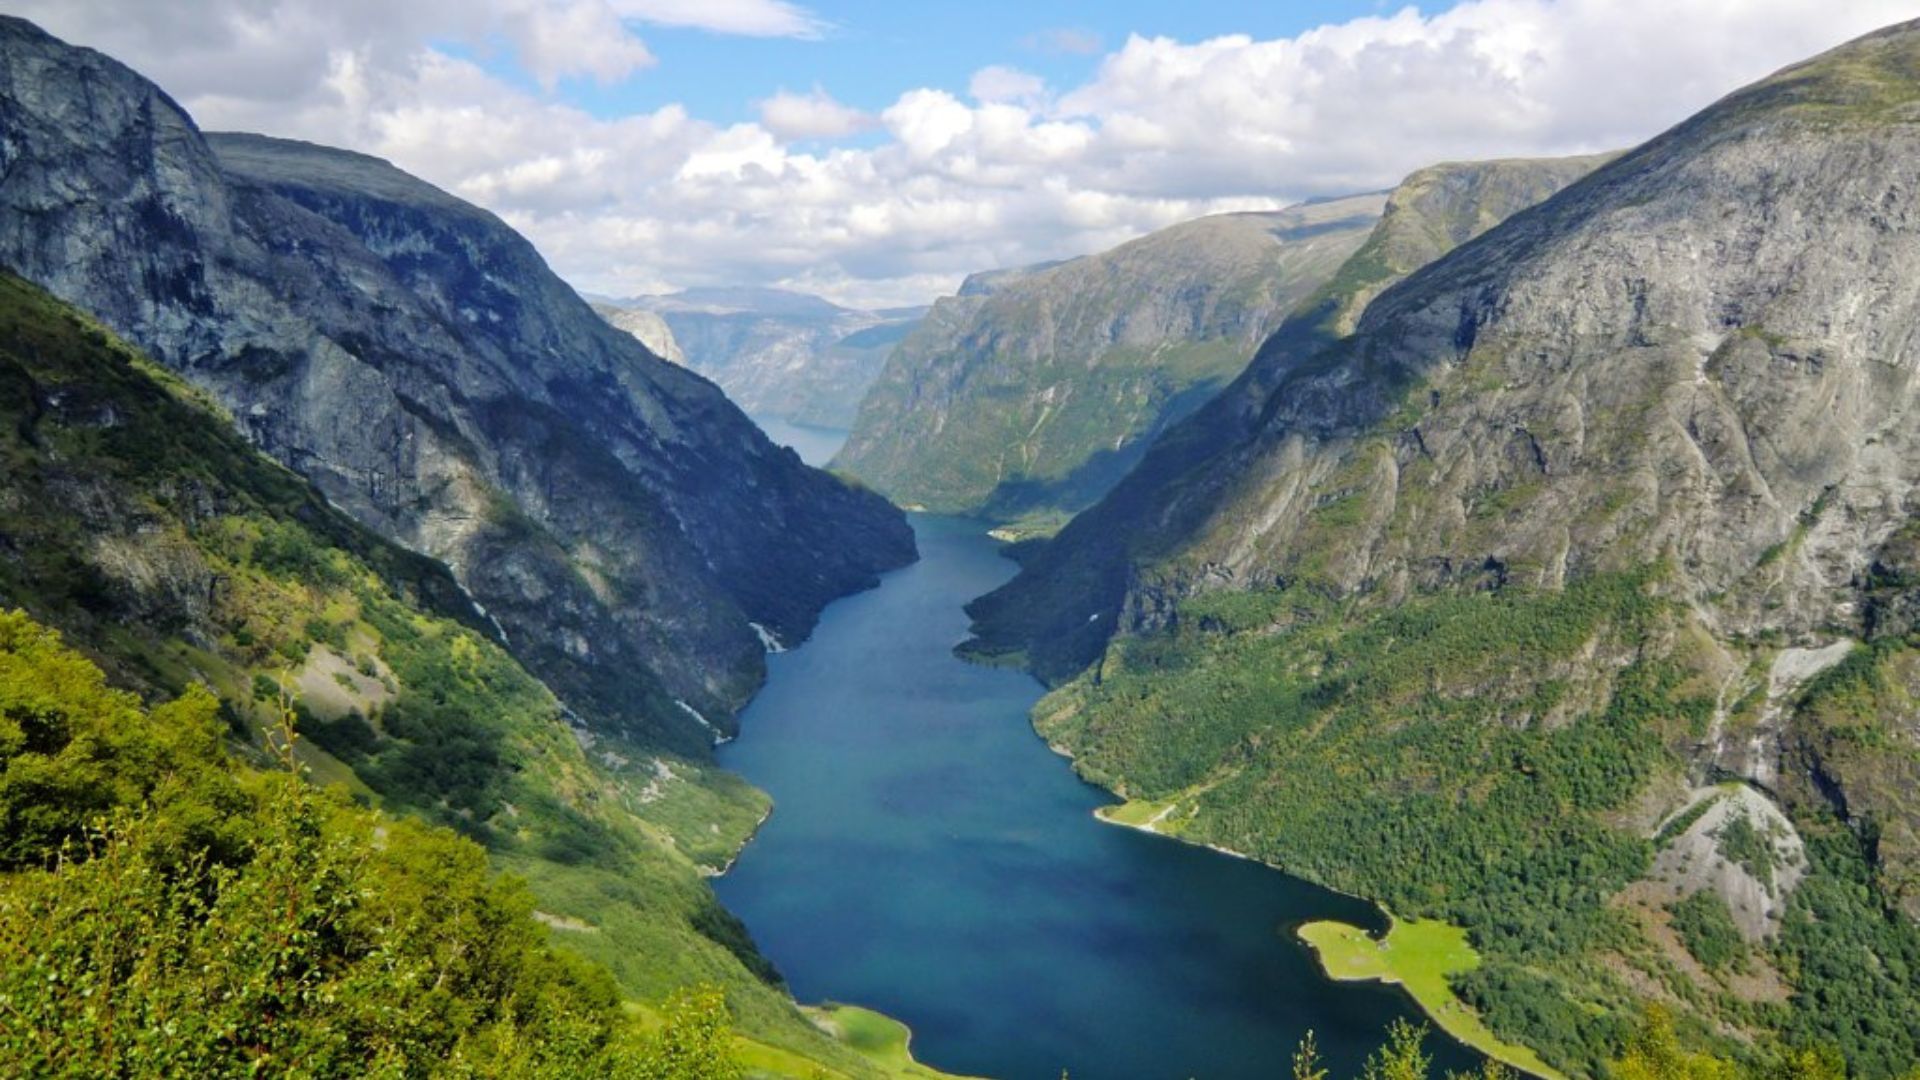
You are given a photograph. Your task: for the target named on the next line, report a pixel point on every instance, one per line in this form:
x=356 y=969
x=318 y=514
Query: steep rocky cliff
x=1483 y=602
x=1032 y=394
x=778 y=353
x=620 y=521
x=1059 y=613
x=647 y=327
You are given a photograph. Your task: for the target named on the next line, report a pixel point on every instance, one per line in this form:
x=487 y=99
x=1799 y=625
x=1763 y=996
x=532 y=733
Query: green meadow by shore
x=1419 y=955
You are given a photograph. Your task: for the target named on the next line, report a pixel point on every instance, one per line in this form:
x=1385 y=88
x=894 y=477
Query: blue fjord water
x=929 y=857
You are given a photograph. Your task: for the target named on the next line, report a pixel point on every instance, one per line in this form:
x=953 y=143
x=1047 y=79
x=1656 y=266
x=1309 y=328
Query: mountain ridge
x=1044 y=613
x=618 y=518
x=1482 y=602
x=1032 y=390
x=776 y=352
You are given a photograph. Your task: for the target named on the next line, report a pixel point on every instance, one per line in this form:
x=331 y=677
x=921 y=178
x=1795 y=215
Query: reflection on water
x=929 y=857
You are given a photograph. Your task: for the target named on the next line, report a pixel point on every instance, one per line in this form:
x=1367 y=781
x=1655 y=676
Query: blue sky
x=871 y=50
x=645 y=145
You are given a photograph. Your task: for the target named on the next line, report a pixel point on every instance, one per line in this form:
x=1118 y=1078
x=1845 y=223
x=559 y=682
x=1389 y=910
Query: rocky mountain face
x=1610 y=503
x=647 y=327
x=620 y=522
x=1059 y=613
x=1032 y=393
x=776 y=353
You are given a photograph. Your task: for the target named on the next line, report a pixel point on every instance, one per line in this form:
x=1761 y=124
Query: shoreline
x=710 y=872
x=1438 y=1016
x=1434 y=1016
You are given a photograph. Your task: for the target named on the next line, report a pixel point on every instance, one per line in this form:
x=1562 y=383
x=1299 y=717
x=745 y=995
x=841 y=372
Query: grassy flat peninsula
x=881 y=1039
x=1420 y=955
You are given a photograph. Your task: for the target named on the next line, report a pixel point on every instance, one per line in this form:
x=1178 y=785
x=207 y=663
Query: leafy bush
x=172 y=914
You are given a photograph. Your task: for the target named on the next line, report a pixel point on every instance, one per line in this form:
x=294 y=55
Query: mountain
x=1032 y=392
x=1057 y=615
x=622 y=524
x=224 y=589
x=1570 y=597
x=776 y=352
x=647 y=327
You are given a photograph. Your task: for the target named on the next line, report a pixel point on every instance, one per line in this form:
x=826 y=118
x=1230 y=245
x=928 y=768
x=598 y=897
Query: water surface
x=815 y=445
x=929 y=857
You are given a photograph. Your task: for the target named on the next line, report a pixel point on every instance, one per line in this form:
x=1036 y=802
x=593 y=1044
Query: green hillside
x=192 y=569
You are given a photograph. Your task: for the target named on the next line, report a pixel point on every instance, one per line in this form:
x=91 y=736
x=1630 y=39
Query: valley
x=1160 y=565
x=930 y=857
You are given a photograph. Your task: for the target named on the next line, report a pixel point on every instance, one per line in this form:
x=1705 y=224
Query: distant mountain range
x=775 y=352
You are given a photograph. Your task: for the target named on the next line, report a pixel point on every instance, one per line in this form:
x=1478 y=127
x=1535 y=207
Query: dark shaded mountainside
x=431 y=379
x=1029 y=394
x=619 y=520
x=1570 y=596
x=775 y=352
x=200 y=574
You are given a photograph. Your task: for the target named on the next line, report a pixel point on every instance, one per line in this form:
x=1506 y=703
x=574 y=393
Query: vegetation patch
x=136 y=521
x=884 y=1041
x=1423 y=956
x=1470 y=757
x=1706 y=928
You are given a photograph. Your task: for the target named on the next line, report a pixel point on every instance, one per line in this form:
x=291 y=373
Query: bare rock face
x=614 y=515
x=1703 y=350
x=1737 y=843
x=648 y=328
x=1034 y=391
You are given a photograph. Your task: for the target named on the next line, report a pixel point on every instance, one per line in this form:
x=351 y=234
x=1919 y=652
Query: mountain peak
x=739 y=299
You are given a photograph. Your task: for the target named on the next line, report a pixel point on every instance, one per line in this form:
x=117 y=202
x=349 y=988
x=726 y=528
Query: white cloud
x=996 y=83
x=576 y=38
x=940 y=185
x=811 y=116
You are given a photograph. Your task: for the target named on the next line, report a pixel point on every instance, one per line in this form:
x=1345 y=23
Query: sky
x=876 y=152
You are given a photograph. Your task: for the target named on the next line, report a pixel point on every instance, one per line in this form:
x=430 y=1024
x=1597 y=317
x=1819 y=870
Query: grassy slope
x=137 y=522
x=1007 y=456
x=885 y=1041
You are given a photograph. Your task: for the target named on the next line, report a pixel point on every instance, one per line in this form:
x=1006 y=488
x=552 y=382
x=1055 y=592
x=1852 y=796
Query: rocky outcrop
x=1032 y=393
x=616 y=518
x=1058 y=614
x=1735 y=842
x=647 y=327
x=777 y=353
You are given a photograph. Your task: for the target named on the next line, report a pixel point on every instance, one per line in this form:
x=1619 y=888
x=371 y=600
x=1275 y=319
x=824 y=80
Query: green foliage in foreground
x=136 y=520
x=1652 y=1051
x=188 y=917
